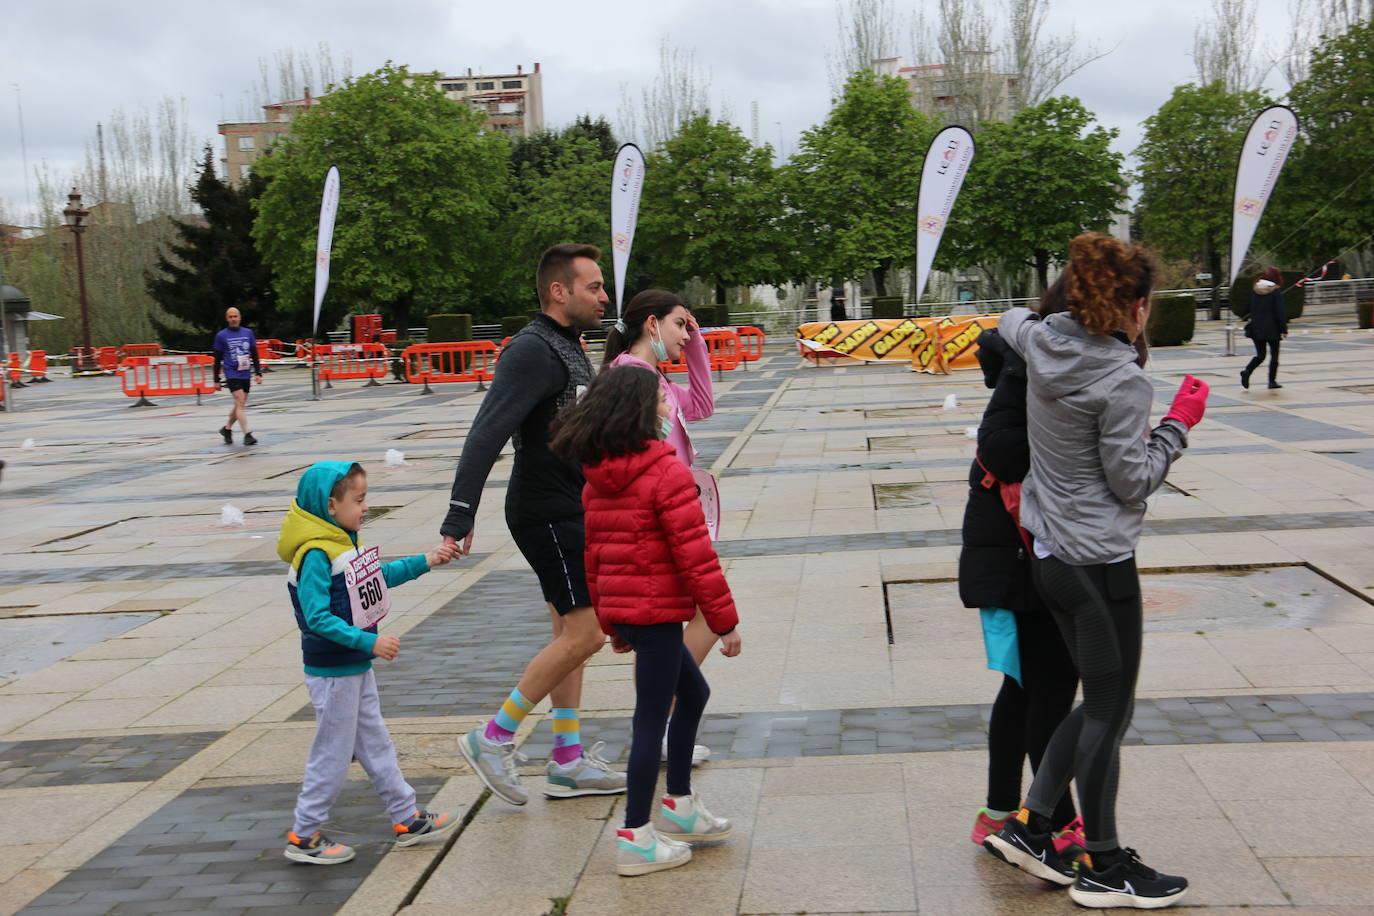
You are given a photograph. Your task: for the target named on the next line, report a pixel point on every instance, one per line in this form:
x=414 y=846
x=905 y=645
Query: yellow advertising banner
x=936 y=345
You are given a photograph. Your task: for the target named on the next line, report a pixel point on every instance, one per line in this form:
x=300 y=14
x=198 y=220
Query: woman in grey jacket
x=1087 y=406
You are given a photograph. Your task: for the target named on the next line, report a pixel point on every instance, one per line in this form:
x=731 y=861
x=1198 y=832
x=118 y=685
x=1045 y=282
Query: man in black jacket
x=542 y=369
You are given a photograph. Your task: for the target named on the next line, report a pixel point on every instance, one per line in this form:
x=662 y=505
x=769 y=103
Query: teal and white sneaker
x=590 y=774
x=494 y=764
x=687 y=819
x=643 y=850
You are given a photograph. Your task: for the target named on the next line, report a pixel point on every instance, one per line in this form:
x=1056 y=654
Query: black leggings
x=1099 y=613
x=1254 y=364
x=664 y=670
x=1024 y=717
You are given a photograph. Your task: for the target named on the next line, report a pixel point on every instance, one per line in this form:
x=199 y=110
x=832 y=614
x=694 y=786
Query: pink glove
x=1190 y=403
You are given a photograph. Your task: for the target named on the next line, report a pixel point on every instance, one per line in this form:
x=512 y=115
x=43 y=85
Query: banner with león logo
x=1262 y=156
x=626 y=183
x=324 y=240
x=942 y=176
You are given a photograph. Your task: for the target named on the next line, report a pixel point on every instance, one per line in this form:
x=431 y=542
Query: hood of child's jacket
x=1064 y=358
x=1264 y=287
x=996 y=356
x=308 y=519
x=614 y=473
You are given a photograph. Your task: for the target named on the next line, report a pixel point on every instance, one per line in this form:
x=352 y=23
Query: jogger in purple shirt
x=236 y=351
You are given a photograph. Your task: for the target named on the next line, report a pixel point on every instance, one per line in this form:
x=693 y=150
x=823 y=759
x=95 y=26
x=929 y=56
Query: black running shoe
x=1127 y=882
x=1032 y=852
x=250 y=439
x=228 y=435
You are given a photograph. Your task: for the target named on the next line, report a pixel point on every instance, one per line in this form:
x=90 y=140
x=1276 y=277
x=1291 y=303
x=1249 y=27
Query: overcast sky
x=73 y=63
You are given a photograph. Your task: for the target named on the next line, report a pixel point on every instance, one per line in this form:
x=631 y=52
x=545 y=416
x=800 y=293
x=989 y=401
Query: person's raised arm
x=698 y=401
x=1135 y=461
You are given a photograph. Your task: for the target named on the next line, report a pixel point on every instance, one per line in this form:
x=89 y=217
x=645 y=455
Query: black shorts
x=554 y=551
x=238 y=384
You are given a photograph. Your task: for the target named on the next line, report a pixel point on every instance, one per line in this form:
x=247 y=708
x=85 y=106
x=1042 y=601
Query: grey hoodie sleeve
x=1135 y=463
x=1014 y=325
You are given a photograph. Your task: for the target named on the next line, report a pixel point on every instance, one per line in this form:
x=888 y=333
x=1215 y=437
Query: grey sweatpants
x=348 y=725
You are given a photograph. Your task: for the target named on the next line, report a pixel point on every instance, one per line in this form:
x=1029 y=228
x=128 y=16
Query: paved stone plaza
x=154 y=724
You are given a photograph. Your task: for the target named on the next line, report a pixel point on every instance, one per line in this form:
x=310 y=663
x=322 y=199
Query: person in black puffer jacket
x=1023 y=642
x=1268 y=325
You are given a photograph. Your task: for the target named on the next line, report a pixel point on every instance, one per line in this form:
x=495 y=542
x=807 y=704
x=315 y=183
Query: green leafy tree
x=422 y=188
x=214 y=266
x=1035 y=183
x=1323 y=202
x=1188 y=170
x=851 y=187
x=560 y=185
x=711 y=209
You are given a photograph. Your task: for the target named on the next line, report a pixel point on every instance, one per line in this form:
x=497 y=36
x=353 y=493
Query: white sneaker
x=687 y=819
x=642 y=850
x=590 y=774
x=494 y=764
x=700 y=753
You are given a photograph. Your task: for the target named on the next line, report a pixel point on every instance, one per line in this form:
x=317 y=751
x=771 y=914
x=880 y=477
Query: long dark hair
x=618 y=415
x=655 y=302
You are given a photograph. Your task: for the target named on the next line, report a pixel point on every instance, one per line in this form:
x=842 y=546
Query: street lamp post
x=74 y=214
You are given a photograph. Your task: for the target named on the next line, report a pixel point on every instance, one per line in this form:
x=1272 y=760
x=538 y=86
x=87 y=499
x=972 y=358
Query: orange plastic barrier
x=107 y=359
x=723 y=344
x=16 y=371
x=341 y=362
x=38 y=365
x=138 y=350
x=270 y=349
x=462 y=361
x=750 y=343
x=304 y=349
x=160 y=376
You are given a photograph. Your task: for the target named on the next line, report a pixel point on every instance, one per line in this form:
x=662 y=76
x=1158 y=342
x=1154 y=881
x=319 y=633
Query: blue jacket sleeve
x=405 y=569
x=312 y=588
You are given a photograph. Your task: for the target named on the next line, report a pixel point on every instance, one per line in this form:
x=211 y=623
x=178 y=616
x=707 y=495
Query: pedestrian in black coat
x=1019 y=633
x=1268 y=325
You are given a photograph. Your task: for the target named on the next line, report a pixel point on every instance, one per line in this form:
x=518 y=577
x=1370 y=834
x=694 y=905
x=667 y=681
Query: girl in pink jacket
x=657 y=328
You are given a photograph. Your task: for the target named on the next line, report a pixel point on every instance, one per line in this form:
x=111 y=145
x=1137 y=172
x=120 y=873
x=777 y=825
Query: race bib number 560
x=367 y=593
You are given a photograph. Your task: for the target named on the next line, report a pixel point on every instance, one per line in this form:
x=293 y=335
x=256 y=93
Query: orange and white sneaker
x=424 y=826
x=316 y=849
x=986 y=825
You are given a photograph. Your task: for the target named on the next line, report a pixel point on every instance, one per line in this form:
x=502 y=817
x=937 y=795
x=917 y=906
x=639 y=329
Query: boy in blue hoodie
x=339 y=591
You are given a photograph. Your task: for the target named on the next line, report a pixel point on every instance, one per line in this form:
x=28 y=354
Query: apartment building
x=511 y=103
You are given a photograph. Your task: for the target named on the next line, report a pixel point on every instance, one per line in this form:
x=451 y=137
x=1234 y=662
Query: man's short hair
x=556 y=266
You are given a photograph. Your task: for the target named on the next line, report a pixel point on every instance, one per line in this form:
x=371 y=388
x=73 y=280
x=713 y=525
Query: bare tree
x=990 y=73
x=1224 y=47
x=1040 y=64
x=679 y=91
x=1310 y=21
x=867 y=32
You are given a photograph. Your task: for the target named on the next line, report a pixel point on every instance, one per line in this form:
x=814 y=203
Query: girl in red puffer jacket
x=650 y=565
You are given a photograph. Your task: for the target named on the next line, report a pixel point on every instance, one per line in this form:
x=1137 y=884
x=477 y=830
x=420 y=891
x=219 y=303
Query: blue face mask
x=665 y=427
x=660 y=349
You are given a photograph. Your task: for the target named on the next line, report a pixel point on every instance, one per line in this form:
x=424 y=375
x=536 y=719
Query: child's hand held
x=441 y=554
x=730 y=644
x=387 y=646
